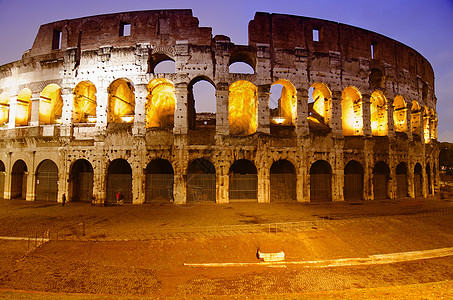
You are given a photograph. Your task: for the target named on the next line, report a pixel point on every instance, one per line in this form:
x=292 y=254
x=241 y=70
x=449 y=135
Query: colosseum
x=327 y=112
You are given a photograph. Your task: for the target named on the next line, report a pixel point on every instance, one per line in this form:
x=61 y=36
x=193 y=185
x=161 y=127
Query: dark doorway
x=19 y=180
x=353 y=181
x=320 y=181
x=401 y=180
x=201 y=181
x=381 y=174
x=82 y=181
x=159 y=182
x=47 y=181
x=243 y=181
x=119 y=180
x=2 y=179
x=283 y=181
x=418 y=180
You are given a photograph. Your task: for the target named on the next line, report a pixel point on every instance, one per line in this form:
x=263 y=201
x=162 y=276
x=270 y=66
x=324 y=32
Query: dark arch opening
x=201 y=181
x=243 y=181
x=201 y=103
x=381 y=174
x=119 y=180
x=19 y=180
x=159 y=181
x=81 y=181
x=320 y=181
x=2 y=179
x=401 y=180
x=353 y=181
x=167 y=66
x=418 y=180
x=47 y=181
x=283 y=181
x=377 y=79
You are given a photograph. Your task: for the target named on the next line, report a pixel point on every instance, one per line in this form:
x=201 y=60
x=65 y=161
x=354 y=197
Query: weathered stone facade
x=85 y=113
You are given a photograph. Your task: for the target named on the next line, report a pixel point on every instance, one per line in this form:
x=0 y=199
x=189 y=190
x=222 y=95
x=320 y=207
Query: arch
x=415 y=118
x=19 y=174
x=381 y=173
x=399 y=114
x=353 y=181
x=243 y=108
x=320 y=181
x=283 y=181
x=2 y=179
x=201 y=102
x=426 y=124
x=161 y=63
x=418 y=180
x=319 y=108
x=4 y=108
x=159 y=181
x=243 y=181
x=201 y=181
x=47 y=181
x=50 y=104
x=119 y=180
x=84 y=104
x=242 y=62
x=160 y=104
x=351 y=111
x=121 y=101
x=401 y=180
x=81 y=181
x=379 y=120
x=283 y=103
x=376 y=79
x=23 y=109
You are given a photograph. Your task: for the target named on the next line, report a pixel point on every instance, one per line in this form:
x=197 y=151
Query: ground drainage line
x=370 y=260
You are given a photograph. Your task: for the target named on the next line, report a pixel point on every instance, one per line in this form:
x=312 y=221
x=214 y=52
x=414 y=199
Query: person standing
x=64 y=199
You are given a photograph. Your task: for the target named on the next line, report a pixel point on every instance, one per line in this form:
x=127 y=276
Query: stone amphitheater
x=324 y=112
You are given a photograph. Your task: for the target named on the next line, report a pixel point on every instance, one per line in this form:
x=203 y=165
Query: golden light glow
x=4 y=108
x=121 y=100
x=127 y=119
x=160 y=104
x=84 y=108
x=243 y=108
x=400 y=114
x=351 y=107
x=415 y=118
x=379 y=123
x=426 y=125
x=23 y=109
x=279 y=120
x=50 y=104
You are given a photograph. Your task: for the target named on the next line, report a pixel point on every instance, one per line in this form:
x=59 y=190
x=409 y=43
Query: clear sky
x=426 y=26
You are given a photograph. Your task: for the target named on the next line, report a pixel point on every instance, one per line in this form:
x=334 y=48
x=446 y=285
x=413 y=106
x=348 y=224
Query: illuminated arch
x=286 y=110
x=243 y=108
x=426 y=124
x=50 y=104
x=84 y=102
x=351 y=109
x=121 y=101
x=4 y=108
x=318 y=110
x=379 y=122
x=23 y=110
x=415 y=118
x=160 y=104
x=399 y=114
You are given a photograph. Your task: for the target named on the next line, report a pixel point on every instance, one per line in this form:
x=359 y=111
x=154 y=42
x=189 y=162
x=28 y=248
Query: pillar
x=34 y=117
x=12 y=113
x=222 y=103
x=366 y=115
x=66 y=118
x=141 y=93
x=408 y=123
x=99 y=176
x=181 y=125
x=102 y=98
x=263 y=109
x=390 y=121
x=138 y=170
x=334 y=115
x=264 y=191
x=302 y=113
x=368 y=193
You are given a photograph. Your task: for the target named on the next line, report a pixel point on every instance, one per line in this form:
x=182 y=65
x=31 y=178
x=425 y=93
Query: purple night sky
x=426 y=26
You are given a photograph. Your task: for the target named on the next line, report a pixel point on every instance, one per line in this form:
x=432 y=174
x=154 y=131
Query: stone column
x=408 y=123
x=63 y=177
x=390 y=121
x=181 y=125
x=138 y=172
x=410 y=180
x=368 y=193
x=302 y=113
x=102 y=97
x=366 y=115
x=264 y=191
x=392 y=180
x=141 y=92
x=99 y=175
x=337 y=173
x=66 y=118
x=263 y=109
x=335 y=122
x=222 y=112
x=181 y=156
x=31 y=180
x=12 y=112
x=8 y=177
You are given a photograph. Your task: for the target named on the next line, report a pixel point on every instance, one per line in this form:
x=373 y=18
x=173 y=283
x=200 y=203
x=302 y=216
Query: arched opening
x=47 y=181
x=242 y=62
x=243 y=181
x=201 y=185
x=201 y=103
x=399 y=114
x=283 y=103
x=161 y=63
x=2 y=179
x=426 y=125
x=159 y=181
x=121 y=101
x=19 y=180
x=241 y=68
x=428 y=179
x=381 y=173
x=318 y=107
x=23 y=108
x=50 y=105
x=418 y=180
x=401 y=180
x=160 y=104
x=351 y=110
x=84 y=109
x=4 y=109
x=379 y=122
x=283 y=181
x=415 y=119
x=119 y=180
x=376 y=79
x=81 y=181
x=353 y=181
x=320 y=181
x=243 y=108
